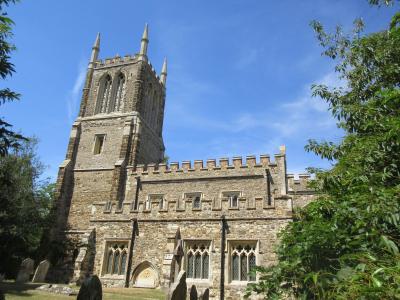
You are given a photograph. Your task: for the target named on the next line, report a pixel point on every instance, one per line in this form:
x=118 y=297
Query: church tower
x=119 y=126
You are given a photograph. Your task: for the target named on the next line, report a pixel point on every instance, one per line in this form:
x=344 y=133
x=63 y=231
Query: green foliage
x=345 y=245
x=25 y=206
x=8 y=138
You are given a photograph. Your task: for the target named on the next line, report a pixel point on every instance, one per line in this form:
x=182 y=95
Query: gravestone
x=25 y=271
x=90 y=289
x=41 y=271
x=206 y=295
x=178 y=290
x=193 y=293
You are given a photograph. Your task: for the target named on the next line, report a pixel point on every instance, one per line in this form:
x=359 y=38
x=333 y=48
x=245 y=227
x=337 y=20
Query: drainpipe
x=135 y=232
x=268 y=178
x=138 y=187
x=222 y=279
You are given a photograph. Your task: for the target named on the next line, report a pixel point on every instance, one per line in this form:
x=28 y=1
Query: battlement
x=235 y=163
x=121 y=60
x=301 y=184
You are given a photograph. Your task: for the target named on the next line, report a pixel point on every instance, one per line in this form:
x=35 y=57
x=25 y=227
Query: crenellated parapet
x=117 y=61
x=199 y=166
x=299 y=185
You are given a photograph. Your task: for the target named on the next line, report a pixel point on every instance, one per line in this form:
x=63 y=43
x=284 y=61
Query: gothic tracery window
x=104 y=95
x=197 y=259
x=115 y=262
x=242 y=260
x=119 y=93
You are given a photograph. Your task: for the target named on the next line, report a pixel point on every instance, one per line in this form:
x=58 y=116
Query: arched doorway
x=145 y=275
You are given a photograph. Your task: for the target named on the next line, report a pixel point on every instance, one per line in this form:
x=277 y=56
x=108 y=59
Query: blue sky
x=239 y=72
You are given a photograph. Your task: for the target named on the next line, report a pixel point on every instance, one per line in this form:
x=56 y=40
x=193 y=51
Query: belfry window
x=98 y=143
x=103 y=98
x=119 y=93
x=242 y=261
x=116 y=258
x=197 y=259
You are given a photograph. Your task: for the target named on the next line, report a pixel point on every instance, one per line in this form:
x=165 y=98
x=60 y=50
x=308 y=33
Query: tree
x=8 y=138
x=345 y=245
x=25 y=206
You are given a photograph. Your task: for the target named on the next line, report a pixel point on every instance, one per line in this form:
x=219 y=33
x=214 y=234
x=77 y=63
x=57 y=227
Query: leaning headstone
x=90 y=289
x=178 y=290
x=25 y=271
x=41 y=271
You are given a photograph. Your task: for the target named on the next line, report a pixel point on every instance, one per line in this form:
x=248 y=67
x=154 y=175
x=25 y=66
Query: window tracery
x=243 y=259
x=116 y=259
x=197 y=260
x=103 y=98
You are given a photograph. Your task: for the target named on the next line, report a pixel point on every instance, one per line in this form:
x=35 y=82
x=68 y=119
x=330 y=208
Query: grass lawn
x=27 y=291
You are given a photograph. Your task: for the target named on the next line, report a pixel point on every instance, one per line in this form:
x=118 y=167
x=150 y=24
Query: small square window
x=155 y=198
x=195 y=198
x=233 y=198
x=98 y=143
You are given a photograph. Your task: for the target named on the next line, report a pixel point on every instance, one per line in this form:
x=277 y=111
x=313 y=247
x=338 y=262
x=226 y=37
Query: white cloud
x=74 y=94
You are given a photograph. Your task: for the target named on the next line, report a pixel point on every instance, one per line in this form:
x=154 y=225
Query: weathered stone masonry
x=135 y=221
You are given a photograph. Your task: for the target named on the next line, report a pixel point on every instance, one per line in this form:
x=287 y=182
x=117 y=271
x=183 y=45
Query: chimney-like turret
x=163 y=77
x=95 y=49
x=144 y=42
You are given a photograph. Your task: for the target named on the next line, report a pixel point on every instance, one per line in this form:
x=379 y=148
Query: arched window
x=243 y=259
x=116 y=259
x=198 y=260
x=103 y=98
x=119 y=94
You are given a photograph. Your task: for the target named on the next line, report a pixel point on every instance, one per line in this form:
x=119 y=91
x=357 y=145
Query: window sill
x=116 y=277
x=199 y=281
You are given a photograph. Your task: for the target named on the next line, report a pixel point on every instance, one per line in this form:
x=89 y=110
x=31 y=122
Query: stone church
x=136 y=221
